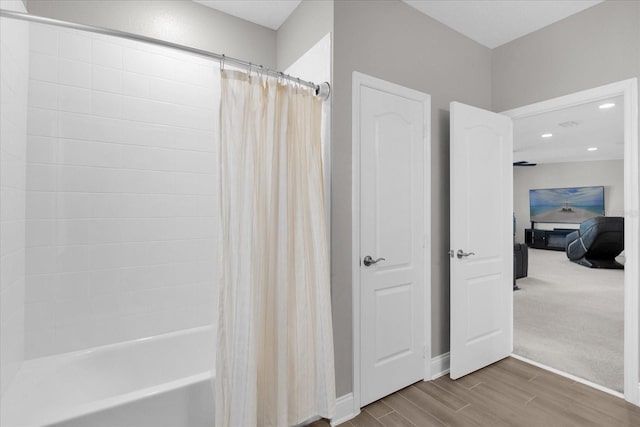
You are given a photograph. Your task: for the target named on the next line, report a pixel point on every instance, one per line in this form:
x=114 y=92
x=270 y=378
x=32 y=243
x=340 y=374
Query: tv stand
x=546 y=239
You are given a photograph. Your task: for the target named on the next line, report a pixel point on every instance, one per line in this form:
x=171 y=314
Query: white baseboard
x=309 y=421
x=440 y=366
x=345 y=410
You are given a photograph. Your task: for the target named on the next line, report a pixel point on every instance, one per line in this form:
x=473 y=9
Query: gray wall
x=311 y=21
x=609 y=173
x=178 y=21
x=392 y=41
x=597 y=46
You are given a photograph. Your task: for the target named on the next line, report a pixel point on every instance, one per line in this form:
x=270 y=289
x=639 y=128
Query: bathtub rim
x=44 y=360
x=127 y=398
x=34 y=365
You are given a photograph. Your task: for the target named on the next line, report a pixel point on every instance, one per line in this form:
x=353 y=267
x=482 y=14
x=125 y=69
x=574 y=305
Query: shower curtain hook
x=222 y=62
x=264 y=78
x=249 y=69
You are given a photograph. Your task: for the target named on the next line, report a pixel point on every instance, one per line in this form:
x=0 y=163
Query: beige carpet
x=571 y=318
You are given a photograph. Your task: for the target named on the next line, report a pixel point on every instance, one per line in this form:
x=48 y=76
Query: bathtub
x=164 y=380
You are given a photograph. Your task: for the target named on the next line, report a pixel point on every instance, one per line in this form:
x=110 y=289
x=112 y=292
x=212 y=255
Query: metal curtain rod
x=322 y=90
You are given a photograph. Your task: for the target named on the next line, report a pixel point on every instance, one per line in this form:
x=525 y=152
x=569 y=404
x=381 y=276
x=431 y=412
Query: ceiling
x=583 y=126
x=489 y=22
x=268 y=13
x=496 y=22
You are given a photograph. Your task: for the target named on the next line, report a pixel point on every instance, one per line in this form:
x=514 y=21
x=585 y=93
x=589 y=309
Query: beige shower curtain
x=274 y=363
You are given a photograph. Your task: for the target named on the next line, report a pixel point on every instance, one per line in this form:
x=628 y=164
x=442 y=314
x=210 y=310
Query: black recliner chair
x=520 y=260
x=597 y=242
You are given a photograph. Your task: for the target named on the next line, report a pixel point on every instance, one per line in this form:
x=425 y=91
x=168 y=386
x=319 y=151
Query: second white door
x=392 y=141
x=481 y=238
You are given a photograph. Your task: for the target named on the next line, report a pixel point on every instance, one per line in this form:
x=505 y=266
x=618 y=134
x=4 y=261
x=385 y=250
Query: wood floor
x=507 y=393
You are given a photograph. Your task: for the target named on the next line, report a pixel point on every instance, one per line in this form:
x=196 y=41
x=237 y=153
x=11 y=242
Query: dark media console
x=546 y=239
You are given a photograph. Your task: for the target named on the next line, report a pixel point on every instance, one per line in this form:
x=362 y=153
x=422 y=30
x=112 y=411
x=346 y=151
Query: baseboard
x=345 y=410
x=633 y=398
x=440 y=366
x=309 y=421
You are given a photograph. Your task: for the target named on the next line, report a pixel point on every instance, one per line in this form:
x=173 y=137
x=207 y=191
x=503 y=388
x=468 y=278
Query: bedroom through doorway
x=569 y=170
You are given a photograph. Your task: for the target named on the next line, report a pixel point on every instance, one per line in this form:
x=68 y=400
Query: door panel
x=390 y=304
x=481 y=224
x=392 y=309
x=393 y=146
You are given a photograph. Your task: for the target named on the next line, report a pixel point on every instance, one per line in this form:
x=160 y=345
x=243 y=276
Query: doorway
x=627 y=92
x=569 y=316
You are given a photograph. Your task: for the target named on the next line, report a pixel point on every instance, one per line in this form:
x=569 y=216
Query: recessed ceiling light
x=607 y=105
x=592 y=149
x=546 y=135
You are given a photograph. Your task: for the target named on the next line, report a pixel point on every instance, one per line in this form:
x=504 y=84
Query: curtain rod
x=322 y=90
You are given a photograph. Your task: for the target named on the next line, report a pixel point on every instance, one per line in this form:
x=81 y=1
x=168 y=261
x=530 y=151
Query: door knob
x=370 y=261
x=461 y=254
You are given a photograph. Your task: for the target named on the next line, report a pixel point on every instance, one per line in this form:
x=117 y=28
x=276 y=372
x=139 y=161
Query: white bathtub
x=159 y=381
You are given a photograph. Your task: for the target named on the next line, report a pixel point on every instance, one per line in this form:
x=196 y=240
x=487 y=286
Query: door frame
x=359 y=81
x=629 y=90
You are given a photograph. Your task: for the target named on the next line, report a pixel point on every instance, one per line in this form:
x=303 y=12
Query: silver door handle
x=461 y=254
x=370 y=261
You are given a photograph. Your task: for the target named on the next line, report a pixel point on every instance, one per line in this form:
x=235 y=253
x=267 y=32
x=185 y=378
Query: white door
x=481 y=256
x=392 y=142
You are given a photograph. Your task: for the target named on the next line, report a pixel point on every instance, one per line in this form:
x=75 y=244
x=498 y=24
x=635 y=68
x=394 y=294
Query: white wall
x=307 y=24
x=121 y=179
x=314 y=64
x=608 y=173
x=14 y=65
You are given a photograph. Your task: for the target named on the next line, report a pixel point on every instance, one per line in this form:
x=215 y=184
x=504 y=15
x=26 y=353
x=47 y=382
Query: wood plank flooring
x=507 y=393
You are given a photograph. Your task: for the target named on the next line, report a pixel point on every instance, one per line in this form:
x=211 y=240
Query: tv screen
x=566 y=205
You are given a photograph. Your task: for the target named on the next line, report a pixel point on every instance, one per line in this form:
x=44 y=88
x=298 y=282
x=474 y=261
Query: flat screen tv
x=566 y=205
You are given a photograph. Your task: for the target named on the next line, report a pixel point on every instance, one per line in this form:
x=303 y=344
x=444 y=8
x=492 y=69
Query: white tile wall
x=14 y=66
x=121 y=184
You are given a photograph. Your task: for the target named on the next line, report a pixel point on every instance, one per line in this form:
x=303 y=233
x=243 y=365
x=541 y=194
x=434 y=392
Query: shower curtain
x=274 y=364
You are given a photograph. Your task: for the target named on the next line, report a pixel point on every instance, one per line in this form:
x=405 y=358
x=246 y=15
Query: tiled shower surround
x=121 y=183
x=14 y=63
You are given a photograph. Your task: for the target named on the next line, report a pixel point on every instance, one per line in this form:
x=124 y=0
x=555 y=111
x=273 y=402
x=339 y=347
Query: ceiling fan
x=523 y=163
